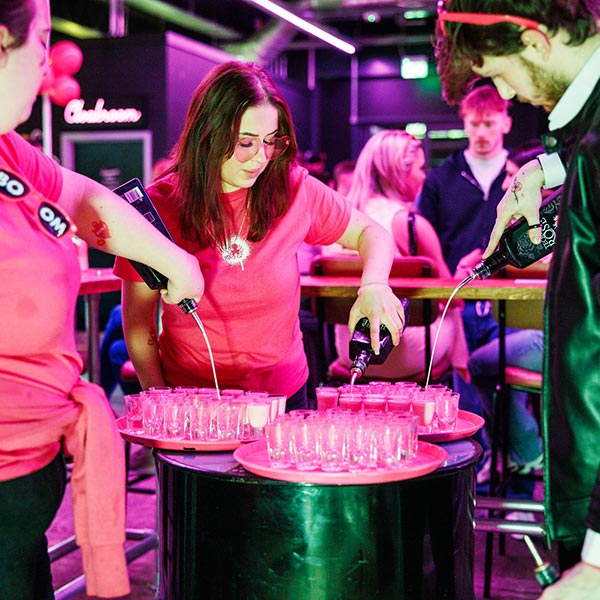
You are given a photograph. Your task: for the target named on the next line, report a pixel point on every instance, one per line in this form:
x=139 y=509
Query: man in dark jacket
x=547 y=52
x=459 y=198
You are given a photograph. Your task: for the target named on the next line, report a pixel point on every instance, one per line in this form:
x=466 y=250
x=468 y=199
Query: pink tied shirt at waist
x=43 y=401
x=86 y=424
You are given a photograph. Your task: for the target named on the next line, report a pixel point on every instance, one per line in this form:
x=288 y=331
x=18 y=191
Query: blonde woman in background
x=387 y=179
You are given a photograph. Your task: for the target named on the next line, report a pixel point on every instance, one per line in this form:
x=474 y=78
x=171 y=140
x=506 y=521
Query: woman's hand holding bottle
x=378 y=303
x=185 y=279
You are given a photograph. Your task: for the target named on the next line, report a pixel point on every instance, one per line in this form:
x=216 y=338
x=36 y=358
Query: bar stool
x=520 y=314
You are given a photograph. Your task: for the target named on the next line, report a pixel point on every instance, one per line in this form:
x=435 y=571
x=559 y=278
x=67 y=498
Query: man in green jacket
x=547 y=53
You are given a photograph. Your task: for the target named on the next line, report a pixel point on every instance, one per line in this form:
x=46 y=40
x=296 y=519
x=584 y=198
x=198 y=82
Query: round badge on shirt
x=51 y=219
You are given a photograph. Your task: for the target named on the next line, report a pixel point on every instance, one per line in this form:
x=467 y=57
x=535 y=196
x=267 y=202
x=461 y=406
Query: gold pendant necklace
x=236 y=249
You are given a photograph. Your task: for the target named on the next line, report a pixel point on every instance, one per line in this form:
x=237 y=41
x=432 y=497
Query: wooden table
x=95 y=282
x=422 y=287
x=500 y=289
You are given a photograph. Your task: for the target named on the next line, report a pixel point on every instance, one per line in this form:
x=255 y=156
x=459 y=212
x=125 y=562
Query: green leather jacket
x=571 y=391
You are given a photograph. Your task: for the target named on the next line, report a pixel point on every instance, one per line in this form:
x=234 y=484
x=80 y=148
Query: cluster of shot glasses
x=377 y=429
x=201 y=414
x=436 y=405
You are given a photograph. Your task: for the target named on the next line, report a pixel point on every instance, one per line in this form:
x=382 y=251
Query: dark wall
x=381 y=98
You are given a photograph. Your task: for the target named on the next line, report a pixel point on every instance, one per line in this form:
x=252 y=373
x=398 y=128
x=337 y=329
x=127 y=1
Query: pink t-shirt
x=250 y=315
x=39 y=363
x=43 y=401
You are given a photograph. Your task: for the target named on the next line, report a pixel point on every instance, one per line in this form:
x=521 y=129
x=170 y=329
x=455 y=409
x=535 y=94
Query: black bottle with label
x=134 y=192
x=515 y=247
x=361 y=353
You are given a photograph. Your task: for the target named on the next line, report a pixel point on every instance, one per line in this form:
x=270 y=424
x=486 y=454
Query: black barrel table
x=227 y=534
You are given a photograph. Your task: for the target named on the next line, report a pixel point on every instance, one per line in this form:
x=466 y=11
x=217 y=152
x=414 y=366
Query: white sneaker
x=485 y=468
x=519 y=516
x=529 y=467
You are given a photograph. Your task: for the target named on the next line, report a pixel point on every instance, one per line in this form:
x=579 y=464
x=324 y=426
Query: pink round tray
x=253 y=457
x=467 y=424
x=180 y=445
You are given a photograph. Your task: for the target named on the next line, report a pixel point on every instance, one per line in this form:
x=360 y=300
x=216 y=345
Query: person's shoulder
x=42 y=172
x=11 y=140
x=14 y=148
x=453 y=162
x=164 y=188
x=456 y=159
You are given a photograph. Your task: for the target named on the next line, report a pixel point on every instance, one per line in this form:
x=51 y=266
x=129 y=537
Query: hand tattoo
x=516 y=186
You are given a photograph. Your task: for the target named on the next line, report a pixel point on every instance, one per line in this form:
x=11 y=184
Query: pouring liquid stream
x=353 y=379
x=210 y=354
x=462 y=284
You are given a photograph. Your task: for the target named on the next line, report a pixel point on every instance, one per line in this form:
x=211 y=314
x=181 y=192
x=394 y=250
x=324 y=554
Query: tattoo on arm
x=517 y=186
x=101 y=231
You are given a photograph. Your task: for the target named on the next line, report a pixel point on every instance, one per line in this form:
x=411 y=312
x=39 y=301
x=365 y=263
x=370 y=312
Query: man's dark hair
x=464 y=45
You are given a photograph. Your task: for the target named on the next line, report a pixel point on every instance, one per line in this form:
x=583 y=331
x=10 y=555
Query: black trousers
x=28 y=505
x=569 y=554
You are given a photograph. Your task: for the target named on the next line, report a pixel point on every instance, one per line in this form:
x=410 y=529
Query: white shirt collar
x=577 y=93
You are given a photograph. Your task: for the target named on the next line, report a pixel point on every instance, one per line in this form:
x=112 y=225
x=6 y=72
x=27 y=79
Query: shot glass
x=306 y=444
x=174 y=415
x=153 y=415
x=374 y=402
x=257 y=413
x=333 y=446
x=359 y=447
x=198 y=416
x=407 y=426
x=278 y=434
x=446 y=408
x=423 y=405
x=399 y=402
x=227 y=415
x=133 y=413
x=349 y=401
x=386 y=445
x=281 y=402
x=327 y=397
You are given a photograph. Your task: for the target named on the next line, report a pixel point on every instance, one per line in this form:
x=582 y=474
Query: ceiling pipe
x=265 y=45
x=116 y=18
x=184 y=19
x=75 y=30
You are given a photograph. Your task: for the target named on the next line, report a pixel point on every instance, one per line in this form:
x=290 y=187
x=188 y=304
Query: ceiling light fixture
x=305 y=26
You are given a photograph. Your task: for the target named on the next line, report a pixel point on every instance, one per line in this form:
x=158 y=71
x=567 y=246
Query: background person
x=548 y=53
x=460 y=196
x=523 y=348
x=387 y=178
x=342 y=175
x=43 y=400
x=459 y=199
x=235 y=198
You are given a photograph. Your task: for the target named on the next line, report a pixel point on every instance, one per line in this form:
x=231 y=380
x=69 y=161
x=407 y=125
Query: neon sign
x=76 y=114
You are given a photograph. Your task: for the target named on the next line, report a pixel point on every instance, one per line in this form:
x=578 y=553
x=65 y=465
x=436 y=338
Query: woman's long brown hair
x=209 y=138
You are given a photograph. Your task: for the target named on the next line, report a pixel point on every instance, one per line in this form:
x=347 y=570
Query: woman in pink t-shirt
x=44 y=403
x=235 y=198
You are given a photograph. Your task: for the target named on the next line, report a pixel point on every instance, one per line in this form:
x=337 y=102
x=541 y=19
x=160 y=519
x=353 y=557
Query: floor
x=513 y=577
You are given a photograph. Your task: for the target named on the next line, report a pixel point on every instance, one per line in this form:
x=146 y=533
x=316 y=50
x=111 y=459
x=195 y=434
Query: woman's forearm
x=376 y=249
x=139 y=328
x=110 y=224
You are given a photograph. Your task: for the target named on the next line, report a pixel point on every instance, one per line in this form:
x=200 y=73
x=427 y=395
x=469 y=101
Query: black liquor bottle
x=361 y=353
x=515 y=247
